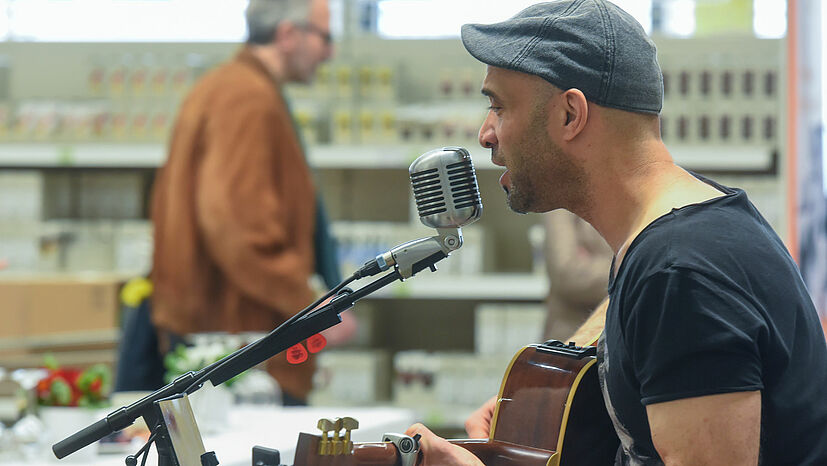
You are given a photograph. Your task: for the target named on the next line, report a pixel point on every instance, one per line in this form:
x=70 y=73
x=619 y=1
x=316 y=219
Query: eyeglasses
x=324 y=35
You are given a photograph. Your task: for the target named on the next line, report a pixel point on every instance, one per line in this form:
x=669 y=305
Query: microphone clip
x=414 y=256
x=417 y=255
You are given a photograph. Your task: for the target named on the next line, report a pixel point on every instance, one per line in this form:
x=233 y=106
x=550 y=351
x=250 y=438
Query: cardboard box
x=35 y=307
x=12 y=311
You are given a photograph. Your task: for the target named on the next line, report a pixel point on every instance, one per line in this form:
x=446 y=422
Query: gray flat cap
x=591 y=45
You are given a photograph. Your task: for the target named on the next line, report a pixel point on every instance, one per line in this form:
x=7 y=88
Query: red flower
x=95 y=386
x=72 y=386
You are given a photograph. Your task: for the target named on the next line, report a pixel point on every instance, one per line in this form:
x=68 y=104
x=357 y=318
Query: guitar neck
x=492 y=453
x=550 y=412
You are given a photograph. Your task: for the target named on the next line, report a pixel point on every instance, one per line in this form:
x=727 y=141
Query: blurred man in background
x=239 y=228
x=577 y=260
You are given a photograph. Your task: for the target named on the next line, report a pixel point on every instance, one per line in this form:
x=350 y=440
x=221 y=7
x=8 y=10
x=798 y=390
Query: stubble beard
x=543 y=177
x=299 y=70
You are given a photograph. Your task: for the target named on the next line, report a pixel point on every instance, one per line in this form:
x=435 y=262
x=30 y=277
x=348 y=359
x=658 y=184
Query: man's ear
x=576 y=106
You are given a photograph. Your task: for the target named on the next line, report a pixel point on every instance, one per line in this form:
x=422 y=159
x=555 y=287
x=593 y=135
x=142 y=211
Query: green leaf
x=61 y=392
x=180 y=361
x=50 y=361
x=98 y=371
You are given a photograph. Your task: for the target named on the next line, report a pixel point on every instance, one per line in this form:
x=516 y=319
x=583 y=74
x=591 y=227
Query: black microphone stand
x=218 y=372
x=430 y=176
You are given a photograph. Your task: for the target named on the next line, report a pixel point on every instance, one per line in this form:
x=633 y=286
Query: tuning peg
x=349 y=424
x=337 y=444
x=325 y=446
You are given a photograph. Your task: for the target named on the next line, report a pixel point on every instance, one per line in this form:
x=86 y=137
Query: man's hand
x=478 y=424
x=436 y=451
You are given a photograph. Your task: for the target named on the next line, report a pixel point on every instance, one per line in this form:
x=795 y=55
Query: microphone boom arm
x=218 y=372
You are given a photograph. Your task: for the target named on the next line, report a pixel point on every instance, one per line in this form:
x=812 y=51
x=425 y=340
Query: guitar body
x=551 y=399
x=550 y=412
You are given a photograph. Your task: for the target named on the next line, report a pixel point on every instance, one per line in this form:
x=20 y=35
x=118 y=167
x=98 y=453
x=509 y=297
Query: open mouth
x=505 y=181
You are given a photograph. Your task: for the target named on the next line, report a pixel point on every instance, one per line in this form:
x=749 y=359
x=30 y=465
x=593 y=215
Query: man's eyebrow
x=489 y=93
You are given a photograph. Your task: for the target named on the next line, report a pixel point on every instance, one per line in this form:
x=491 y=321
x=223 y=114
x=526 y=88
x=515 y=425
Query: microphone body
x=447 y=198
x=445 y=188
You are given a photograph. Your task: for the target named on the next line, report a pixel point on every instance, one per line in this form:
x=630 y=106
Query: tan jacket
x=234 y=210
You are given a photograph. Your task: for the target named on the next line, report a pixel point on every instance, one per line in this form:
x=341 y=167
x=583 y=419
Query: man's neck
x=272 y=60
x=640 y=193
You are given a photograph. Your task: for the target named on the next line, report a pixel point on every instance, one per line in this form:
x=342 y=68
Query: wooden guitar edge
x=569 y=401
x=500 y=393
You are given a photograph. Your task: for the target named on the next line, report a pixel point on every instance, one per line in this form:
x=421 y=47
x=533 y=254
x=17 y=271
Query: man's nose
x=487 y=137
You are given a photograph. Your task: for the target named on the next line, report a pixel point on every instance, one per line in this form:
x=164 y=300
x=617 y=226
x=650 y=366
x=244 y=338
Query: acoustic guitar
x=549 y=412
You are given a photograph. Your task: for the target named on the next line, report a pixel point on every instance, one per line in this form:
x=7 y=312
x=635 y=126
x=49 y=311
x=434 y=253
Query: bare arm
x=590 y=331
x=717 y=429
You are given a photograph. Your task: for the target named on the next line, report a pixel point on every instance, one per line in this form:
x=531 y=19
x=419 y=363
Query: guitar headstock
x=337 y=443
x=334 y=447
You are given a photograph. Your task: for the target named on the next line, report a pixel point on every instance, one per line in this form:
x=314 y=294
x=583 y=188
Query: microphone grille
x=445 y=188
x=463 y=182
x=428 y=193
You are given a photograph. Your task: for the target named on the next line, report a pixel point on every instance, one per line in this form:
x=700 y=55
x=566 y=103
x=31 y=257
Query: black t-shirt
x=708 y=301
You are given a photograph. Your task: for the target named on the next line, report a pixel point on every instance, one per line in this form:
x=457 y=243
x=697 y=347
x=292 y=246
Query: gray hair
x=264 y=16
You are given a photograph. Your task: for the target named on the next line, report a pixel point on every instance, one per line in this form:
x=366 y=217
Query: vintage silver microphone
x=447 y=197
x=445 y=188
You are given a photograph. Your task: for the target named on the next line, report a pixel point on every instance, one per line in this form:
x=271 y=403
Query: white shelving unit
x=506 y=287
x=106 y=155
x=113 y=155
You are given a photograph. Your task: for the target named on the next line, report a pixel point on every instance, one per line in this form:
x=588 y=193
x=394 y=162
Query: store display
x=374 y=104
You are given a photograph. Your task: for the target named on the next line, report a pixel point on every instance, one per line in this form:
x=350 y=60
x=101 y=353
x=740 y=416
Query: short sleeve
x=692 y=336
